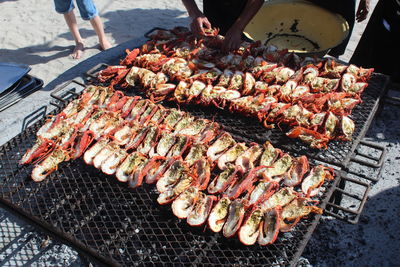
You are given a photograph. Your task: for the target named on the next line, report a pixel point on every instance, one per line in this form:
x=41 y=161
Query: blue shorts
x=87 y=9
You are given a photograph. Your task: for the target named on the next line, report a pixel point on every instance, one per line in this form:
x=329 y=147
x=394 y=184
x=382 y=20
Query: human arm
x=362 y=10
x=199 y=21
x=233 y=37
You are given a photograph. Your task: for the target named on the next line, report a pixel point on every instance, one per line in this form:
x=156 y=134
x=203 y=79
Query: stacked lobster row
x=312 y=97
x=255 y=191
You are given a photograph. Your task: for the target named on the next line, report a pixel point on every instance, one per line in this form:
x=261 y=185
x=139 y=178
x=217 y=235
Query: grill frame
x=204 y=247
x=56 y=206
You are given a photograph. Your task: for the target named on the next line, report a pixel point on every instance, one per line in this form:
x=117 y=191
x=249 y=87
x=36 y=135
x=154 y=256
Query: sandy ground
x=34 y=34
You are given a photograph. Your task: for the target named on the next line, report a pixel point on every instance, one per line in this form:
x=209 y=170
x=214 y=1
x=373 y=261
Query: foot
x=105 y=44
x=78 y=51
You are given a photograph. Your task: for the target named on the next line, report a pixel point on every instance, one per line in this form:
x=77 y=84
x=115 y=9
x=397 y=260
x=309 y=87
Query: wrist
x=238 y=27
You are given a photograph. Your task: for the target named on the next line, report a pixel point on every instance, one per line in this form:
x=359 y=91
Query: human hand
x=233 y=39
x=198 y=24
x=362 y=11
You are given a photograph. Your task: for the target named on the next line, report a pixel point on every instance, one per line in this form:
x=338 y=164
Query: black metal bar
x=349 y=212
x=15 y=240
x=61 y=99
x=55 y=104
x=36 y=115
x=18 y=247
x=147 y=34
x=344 y=192
x=370 y=178
x=392 y=100
x=379 y=160
x=95 y=70
x=364 y=130
x=324 y=204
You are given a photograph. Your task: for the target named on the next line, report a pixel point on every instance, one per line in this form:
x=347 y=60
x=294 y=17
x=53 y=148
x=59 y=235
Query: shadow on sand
x=131 y=21
x=374 y=240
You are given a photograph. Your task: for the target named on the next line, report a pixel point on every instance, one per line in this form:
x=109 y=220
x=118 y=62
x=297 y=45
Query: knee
x=63 y=7
x=87 y=9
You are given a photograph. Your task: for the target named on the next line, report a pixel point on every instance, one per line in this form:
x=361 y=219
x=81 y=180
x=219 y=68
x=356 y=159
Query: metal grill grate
x=120 y=226
x=338 y=153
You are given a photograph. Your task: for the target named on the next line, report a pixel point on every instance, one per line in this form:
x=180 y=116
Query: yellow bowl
x=298 y=26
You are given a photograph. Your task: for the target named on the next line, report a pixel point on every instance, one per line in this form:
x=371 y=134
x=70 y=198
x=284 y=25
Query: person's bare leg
x=98 y=28
x=73 y=27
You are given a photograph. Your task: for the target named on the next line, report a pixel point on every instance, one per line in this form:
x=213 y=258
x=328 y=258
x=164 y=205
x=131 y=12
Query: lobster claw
x=130 y=57
x=294 y=211
x=173 y=191
x=223 y=180
x=128 y=166
x=312 y=183
x=136 y=177
x=114 y=100
x=109 y=73
x=110 y=165
x=155 y=168
x=161 y=92
x=262 y=191
x=202 y=169
x=313 y=138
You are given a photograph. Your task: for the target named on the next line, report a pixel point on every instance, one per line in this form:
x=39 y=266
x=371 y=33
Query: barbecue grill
x=115 y=225
x=100 y=216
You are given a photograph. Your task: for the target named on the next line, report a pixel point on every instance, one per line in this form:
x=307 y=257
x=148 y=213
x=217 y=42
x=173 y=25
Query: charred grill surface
x=338 y=152
x=120 y=226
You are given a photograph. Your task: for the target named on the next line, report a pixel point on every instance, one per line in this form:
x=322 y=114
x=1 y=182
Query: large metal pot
x=298 y=25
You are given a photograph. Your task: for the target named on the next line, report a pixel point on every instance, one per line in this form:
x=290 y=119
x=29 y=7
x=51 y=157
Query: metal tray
x=11 y=73
x=26 y=86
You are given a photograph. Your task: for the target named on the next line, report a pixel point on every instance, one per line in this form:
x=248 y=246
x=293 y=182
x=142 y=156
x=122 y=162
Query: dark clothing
x=391 y=14
x=223 y=13
x=378 y=48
